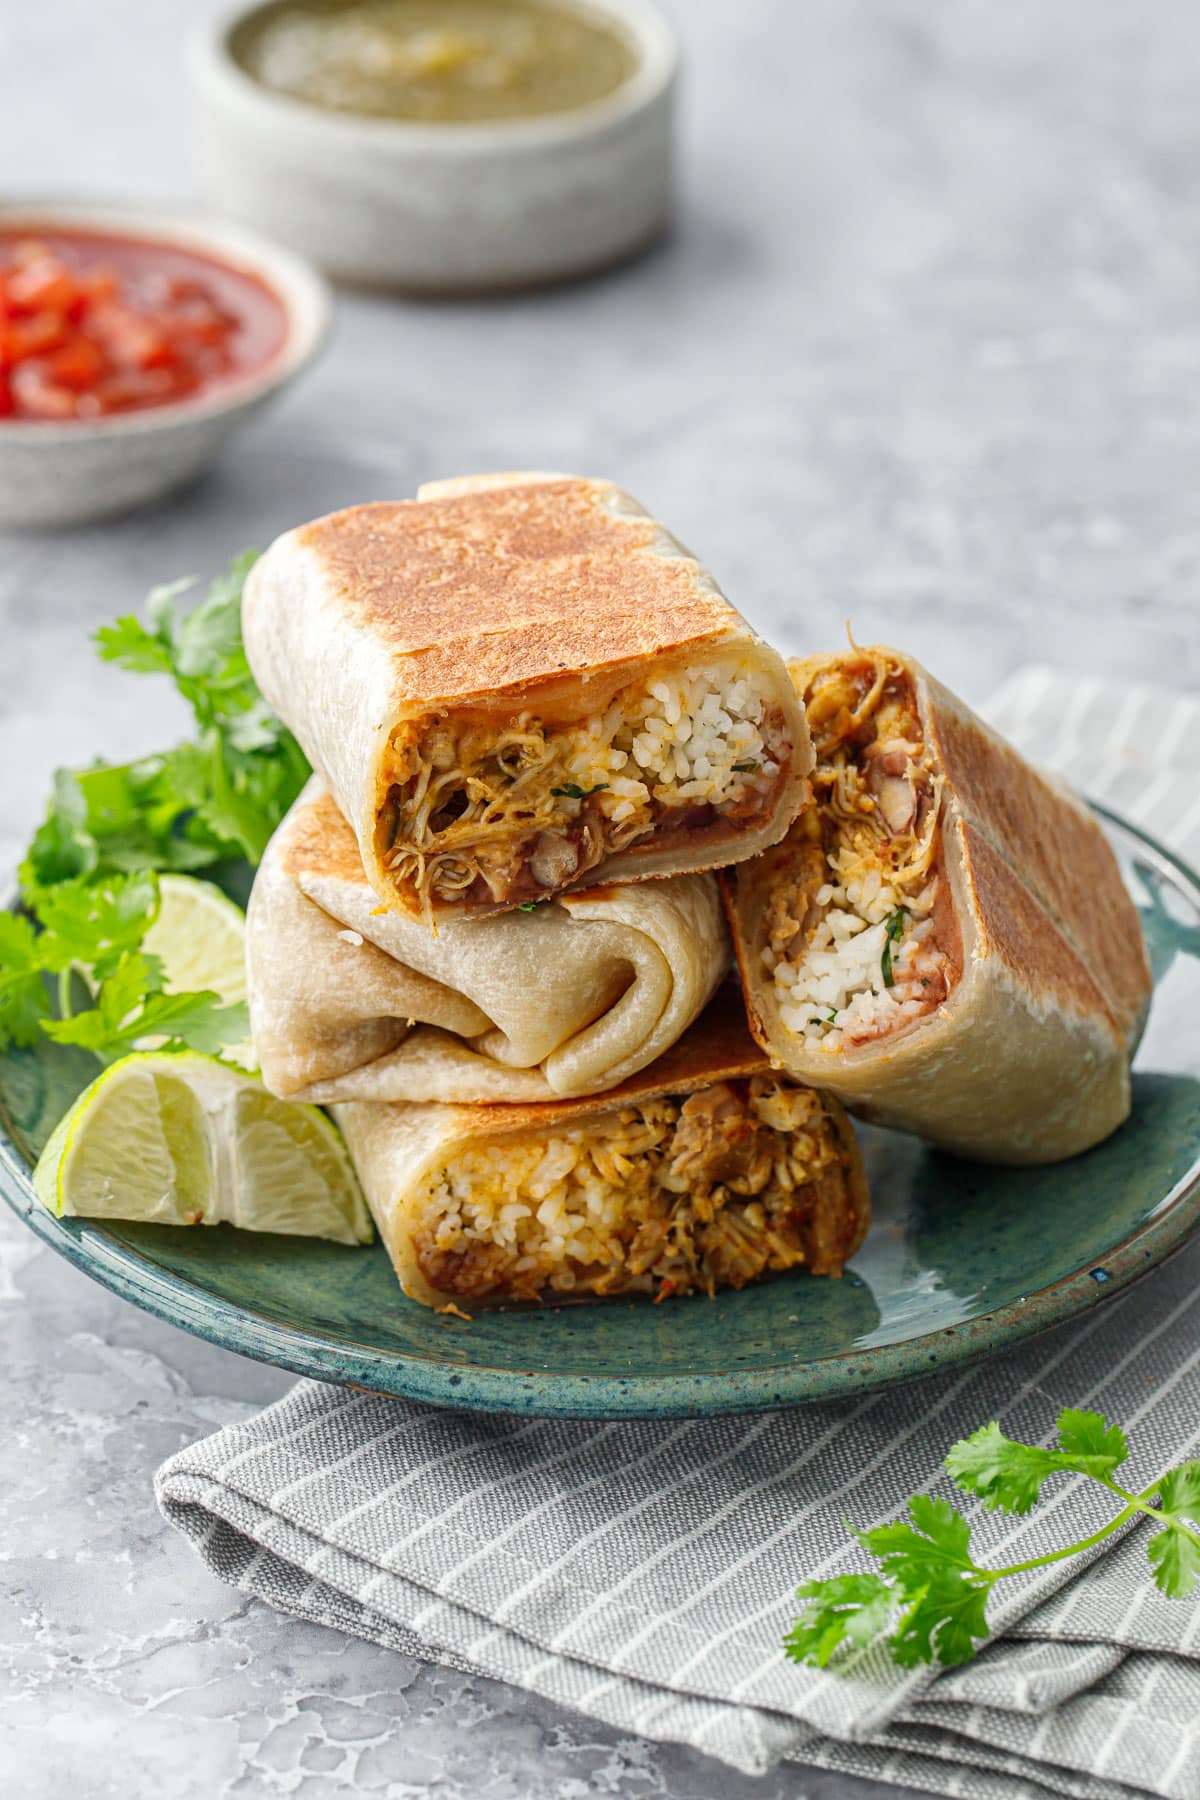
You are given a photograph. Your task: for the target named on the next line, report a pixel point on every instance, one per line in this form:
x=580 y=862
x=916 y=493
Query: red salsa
x=92 y=325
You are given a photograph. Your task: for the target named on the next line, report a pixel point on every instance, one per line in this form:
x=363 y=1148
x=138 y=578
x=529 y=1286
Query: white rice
x=693 y=739
x=836 y=993
x=680 y=740
x=549 y=1203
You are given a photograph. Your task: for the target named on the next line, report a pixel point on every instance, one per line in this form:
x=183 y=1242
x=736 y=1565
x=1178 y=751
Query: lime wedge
x=200 y=938
x=187 y=1140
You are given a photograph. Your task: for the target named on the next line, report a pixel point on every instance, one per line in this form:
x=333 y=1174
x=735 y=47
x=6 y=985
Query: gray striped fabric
x=643 y=1573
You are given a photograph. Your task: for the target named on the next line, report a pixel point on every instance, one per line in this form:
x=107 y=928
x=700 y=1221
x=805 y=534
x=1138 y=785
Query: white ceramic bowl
x=444 y=208
x=69 y=473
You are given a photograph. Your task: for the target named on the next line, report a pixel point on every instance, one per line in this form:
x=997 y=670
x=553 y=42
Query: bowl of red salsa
x=131 y=346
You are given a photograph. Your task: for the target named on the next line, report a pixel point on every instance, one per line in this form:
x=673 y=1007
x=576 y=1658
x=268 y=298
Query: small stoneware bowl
x=67 y=473
x=444 y=208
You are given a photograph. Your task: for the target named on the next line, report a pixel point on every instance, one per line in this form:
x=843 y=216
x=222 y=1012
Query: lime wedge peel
x=200 y=938
x=188 y=1140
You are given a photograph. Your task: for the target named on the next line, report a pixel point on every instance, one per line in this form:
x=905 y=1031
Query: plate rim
x=318 y=1355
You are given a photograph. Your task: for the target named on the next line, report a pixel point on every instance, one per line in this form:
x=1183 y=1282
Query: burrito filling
x=481 y=812
x=861 y=935
x=666 y=1196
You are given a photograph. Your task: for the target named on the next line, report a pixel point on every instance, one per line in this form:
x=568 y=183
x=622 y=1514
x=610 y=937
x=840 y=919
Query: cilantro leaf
x=943 y=1621
x=63 y=847
x=1088 y=1435
x=107 y=1027
x=24 y=1002
x=1175 y=1560
x=129 y=644
x=1179 y=1492
x=847 y=1609
x=131 y=1007
x=938 y=1537
x=1175 y=1552
x=999 y=1472
x=93 y=923
x=198 y=1021
x=1008 y=1476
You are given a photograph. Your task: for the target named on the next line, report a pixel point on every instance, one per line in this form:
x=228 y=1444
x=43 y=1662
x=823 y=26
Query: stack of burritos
x=568 y=1057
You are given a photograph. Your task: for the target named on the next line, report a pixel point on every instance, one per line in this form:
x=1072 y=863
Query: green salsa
x=443 y=62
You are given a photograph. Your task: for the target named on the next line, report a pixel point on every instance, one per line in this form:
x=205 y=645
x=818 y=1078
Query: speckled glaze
x=961 y=1259
x=437 y=209
x=69 y=474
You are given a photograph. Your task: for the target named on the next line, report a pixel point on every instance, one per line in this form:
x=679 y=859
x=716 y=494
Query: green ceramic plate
x=960 y=1261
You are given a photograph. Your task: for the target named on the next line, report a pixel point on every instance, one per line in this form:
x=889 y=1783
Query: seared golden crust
x=1013 y=923
x=503 y=587
x=319 y=842
x=1059 y=851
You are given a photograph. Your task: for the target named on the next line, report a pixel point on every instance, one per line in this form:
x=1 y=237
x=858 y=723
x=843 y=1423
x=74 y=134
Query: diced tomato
x=35 y=336
x=93 y=324
x=99 y=283
x=78 y=364
x=130 y=340
x=40 y=285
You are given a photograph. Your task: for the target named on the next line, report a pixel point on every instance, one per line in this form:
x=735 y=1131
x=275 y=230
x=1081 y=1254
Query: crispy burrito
x=943 y=939
x=351 y=1002
x=707 y=1170
x=517 y=684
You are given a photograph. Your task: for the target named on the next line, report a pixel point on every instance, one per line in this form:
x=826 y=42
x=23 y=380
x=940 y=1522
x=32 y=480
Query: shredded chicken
x=669 y=1196
x=486 y=813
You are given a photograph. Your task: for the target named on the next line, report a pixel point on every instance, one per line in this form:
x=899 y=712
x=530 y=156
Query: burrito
x=351 y=1002
x=706 y=1171
x=943 y=939
x=517 y=684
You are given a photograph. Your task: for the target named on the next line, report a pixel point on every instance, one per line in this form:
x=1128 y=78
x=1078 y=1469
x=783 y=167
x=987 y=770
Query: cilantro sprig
x=97 y=928
x=929 y=1600
x=89 y=881
x=214 y=798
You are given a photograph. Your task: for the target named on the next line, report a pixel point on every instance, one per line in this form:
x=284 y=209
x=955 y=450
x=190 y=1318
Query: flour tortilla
x=348 y=1001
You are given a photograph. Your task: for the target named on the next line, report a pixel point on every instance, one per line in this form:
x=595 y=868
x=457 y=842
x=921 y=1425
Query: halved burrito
x=349 y=1001
x=943 y=939
x=517 y=684
x=707 y=1170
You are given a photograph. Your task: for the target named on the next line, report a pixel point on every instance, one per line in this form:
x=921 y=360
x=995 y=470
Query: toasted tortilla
x=484 y=602
x=1026 y=1059
x=404 y=1154
x=349 y=1001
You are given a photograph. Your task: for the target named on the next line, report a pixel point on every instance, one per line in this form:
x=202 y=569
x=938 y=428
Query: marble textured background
x=922 y=352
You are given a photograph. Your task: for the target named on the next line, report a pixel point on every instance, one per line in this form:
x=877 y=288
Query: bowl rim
x=301 y=290
x=218 y=77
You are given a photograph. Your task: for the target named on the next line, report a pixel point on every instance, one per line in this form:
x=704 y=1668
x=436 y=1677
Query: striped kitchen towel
x=643 y=1573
